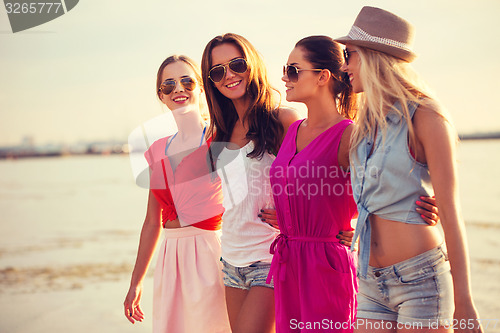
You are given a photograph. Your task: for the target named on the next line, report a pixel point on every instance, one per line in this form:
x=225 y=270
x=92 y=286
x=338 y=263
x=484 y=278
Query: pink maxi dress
x=314 y=275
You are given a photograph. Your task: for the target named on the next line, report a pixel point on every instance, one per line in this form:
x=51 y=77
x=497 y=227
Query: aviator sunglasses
x=217 y=73
x=347 y=55
x=293 y=72
x=169 y=85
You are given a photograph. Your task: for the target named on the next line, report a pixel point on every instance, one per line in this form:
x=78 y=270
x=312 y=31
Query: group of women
x=281 y=192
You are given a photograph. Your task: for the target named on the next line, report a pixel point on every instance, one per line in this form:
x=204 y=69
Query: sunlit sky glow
x=90 y=74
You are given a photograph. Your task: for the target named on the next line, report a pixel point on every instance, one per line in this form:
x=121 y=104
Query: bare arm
x=150 y=234
x=436 y=140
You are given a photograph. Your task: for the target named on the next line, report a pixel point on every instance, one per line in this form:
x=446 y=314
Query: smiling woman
x=403 y=264
x=186 y=202
x=248 y=126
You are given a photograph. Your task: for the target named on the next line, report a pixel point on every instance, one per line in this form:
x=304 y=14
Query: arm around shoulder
x=287 y=116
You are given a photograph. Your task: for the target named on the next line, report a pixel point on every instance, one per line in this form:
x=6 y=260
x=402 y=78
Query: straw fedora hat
x=380 y=30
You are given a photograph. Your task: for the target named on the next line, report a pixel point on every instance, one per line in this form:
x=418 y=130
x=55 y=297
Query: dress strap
x=169 y=142
x=172 y=139
x=203 y=135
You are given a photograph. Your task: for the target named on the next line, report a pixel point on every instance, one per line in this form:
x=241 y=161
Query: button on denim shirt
x=388 y=182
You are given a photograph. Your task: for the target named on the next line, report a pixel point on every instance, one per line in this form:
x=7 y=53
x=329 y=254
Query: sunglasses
x=347 y=55
x=169 y=85
x=293 y=72
x=217 y=73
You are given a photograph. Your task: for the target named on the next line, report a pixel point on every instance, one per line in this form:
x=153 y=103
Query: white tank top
x=247 y=189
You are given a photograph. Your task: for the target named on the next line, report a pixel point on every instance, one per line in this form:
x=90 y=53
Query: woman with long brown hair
x=248 y=125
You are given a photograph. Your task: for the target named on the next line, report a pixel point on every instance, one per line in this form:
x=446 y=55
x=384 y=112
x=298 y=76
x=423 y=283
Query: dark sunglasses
x=169 y=85
x=217 y=73
x=347 y=55
x=293 y=72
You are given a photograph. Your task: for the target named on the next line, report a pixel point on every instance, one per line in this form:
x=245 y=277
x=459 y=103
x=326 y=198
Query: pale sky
x=90 y=74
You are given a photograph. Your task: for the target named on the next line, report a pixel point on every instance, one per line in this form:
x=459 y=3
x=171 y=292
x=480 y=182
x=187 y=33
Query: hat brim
x=397 y=52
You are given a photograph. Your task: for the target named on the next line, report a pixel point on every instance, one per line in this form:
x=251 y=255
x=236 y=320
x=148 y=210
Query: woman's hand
x=132 y=308
x=466 y=318
x=269 y=216
x=428 y=210
x=345 y=238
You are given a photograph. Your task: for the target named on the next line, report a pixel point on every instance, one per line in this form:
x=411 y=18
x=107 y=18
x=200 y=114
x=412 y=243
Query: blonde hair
x=385 y=80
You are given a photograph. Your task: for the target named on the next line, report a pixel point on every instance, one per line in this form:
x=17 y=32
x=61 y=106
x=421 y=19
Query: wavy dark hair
x=265 y=129
x=324 y=53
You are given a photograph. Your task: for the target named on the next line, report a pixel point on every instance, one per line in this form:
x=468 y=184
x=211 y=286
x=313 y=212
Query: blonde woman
x=403 y=147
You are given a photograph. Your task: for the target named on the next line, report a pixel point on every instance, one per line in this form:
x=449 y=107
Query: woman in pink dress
x=314 y=274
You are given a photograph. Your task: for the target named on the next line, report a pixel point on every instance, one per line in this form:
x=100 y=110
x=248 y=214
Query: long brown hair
x=324 y=53
x=265 y=129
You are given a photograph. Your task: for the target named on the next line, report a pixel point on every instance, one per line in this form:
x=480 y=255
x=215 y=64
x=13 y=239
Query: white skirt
x=188 y=287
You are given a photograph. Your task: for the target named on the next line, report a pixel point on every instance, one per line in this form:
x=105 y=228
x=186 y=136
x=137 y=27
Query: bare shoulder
x=287 y=116
x=431 y=122
x=429 y=116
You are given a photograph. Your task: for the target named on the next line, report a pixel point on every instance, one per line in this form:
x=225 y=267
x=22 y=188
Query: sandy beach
x=68 y=242
x=88 y=297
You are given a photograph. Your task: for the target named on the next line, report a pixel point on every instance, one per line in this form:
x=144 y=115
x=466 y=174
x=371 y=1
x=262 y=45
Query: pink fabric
x=188 y=291
x=314 y=275
x=190 y=192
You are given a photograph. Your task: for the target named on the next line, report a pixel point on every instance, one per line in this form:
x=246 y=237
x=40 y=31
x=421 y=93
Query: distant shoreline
x=18 y=155
x=104 y=148
x=480 y=136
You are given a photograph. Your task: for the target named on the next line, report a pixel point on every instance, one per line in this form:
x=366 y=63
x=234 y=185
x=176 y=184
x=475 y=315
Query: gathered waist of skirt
x=187 y=232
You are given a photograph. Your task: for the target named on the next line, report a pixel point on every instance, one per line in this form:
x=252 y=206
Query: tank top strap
x=294 y=126
x=342 y=125
x=338 y=130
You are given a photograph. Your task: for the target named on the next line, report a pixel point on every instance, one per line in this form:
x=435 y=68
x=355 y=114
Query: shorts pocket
x=414 y=276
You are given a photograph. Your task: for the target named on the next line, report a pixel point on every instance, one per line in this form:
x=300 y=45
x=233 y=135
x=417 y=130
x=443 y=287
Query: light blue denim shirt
x=388 y=182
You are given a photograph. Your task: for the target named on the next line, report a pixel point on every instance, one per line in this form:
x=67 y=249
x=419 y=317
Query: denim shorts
x=416 y=291
x=246 y=277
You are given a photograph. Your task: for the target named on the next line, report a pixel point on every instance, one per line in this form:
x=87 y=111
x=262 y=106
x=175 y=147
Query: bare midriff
x=393 y=241
x=172 y=224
